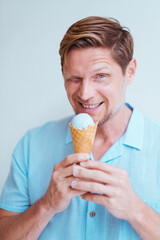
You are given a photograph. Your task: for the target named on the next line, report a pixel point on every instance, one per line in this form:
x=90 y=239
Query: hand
x=112 y=184
x=59 y=192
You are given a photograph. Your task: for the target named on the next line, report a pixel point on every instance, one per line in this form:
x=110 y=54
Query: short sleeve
x=14 y=196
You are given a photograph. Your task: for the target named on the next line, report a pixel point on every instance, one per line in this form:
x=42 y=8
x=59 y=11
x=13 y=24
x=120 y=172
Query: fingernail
x=75 y=172
x=82 y=163
x=73 y=183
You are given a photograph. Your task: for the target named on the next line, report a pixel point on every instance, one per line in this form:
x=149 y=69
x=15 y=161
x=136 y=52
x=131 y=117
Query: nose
x=85 y=90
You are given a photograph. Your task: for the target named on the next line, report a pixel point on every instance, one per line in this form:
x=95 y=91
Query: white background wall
x=31 y=84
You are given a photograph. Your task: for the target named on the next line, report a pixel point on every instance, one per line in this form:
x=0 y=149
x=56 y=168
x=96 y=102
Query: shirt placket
x=93 y=217
x=91 y=220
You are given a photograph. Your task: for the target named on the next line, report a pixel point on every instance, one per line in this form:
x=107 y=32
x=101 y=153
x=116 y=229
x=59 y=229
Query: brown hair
x=99 y=32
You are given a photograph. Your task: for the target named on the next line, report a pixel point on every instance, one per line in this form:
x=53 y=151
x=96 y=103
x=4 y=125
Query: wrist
x=45 y=207
x=136 y=218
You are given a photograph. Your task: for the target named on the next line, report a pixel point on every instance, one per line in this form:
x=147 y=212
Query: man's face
x=94 y=83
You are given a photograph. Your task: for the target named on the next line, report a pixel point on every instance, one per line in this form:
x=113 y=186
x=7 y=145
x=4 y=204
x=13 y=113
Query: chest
x=99 y=149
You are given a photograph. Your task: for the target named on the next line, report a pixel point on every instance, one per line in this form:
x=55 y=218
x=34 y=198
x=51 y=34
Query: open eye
x=101 y=76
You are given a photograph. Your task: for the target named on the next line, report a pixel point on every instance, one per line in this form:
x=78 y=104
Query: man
x=116 y=194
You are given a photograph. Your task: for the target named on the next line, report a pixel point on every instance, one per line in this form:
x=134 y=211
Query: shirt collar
x=133 y=136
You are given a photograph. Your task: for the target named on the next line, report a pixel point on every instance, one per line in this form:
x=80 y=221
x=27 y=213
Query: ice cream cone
x=83 y=138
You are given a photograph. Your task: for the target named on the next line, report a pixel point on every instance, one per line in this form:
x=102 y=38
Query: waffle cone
x=83 y=139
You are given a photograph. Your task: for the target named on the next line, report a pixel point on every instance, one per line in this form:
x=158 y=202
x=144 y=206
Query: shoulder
x=52 y=127
x=44 y=135
x=151 y=126
x=151 y=134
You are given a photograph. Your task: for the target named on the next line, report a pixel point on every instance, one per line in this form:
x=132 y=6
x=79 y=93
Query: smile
x=90 y=106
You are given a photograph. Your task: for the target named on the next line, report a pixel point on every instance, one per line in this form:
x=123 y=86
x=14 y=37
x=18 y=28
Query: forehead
x=88 y=57
x=89 y=60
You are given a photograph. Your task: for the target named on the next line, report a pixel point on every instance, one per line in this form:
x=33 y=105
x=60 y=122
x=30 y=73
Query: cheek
x=106 y=92
x=116 y=90
x=70 y=90
x=111 y=95
x=68 y=87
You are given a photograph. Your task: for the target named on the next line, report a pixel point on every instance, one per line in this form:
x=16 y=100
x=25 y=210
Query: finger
x=92 y=197
x=68 y=171
x=102 y=166
x=63 y=187
x=71 y=191
x=93 y=187
x=93 y=175
x=73 y=158
x=75 y=193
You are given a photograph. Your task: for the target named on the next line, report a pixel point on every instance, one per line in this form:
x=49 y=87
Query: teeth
x=90 y=106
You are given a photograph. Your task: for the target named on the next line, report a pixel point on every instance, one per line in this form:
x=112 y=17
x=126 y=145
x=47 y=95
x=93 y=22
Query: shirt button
x=92 y=214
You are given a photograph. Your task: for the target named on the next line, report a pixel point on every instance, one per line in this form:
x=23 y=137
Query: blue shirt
x=137 y=151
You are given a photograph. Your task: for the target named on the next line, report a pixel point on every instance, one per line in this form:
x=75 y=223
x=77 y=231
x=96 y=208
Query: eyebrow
x=101 y=69
x=71 y=76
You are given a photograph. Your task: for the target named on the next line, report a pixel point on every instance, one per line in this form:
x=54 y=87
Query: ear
x=131 y=70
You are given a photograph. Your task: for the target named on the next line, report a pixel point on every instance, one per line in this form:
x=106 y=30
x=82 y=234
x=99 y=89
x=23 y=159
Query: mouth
x=90 y=106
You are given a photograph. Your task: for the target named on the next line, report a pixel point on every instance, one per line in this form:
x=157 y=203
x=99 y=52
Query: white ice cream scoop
x=82 y=120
